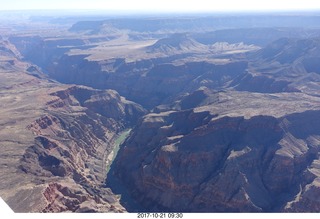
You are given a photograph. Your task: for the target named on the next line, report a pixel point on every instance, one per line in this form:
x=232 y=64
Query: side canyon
x=174 y=114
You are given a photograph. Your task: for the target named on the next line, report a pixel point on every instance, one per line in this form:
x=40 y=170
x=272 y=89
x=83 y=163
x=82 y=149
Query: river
x=118 y=141
x=114 y=183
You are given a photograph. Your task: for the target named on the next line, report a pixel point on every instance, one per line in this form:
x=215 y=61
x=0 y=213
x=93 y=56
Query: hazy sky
x=162 y=5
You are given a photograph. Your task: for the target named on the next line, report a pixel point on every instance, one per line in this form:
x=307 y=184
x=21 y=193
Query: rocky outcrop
x=72 y=142
x=149 y=74
x=232 y=128
x=55 y=140
x=147 y=82
x=176 y=43
x=285 y=65
x=262 y=84
x=214 y=159
x=77 y=199
x=288 y=50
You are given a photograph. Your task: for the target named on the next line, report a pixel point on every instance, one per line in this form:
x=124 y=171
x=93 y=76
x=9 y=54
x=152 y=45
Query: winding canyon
x=174 y=114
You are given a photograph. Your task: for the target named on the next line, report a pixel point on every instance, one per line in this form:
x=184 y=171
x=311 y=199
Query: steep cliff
x=147 y=82
x=284 y=65
x=55 y=140
x=233 y=128
x=149 y=72
x=228 y=156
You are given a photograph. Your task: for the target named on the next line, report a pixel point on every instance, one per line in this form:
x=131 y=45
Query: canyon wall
x=214 y=159
x=55 y=140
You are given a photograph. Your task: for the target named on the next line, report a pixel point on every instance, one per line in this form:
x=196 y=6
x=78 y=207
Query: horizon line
x=155 y=12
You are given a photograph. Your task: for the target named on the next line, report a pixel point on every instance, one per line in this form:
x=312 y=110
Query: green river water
x=114 y=183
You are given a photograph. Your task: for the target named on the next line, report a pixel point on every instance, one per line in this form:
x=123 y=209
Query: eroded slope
x=243 y=152
x=54 y=141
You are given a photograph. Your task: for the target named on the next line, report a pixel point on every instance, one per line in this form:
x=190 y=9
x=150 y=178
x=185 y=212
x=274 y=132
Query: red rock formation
x=55 y=139
x=71 y=142
x=218 y=162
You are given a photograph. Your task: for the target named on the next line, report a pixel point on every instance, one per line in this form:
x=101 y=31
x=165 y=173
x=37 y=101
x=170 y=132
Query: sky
x=162 y=5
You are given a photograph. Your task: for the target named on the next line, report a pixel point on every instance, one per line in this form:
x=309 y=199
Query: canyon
x=55 y=140
x=161 y=114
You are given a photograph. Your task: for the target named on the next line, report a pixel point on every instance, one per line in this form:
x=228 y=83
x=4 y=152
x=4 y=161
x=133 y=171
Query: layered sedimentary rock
x=149 y=72
x=244 y=152
x=55 y=139
x=232 y=129
x=285 y=65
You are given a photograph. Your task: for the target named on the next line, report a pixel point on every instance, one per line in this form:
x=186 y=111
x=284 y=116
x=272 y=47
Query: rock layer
x=214 y=159
x=55 y=139
x=232 y=129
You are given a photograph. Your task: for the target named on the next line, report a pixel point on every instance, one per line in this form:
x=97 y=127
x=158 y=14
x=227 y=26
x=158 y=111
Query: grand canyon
x=160 y=113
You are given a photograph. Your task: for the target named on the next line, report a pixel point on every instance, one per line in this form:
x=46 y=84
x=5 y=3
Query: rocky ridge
x=284 y=65
x=55 y=139
x=226 y=157
x=231 y=128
